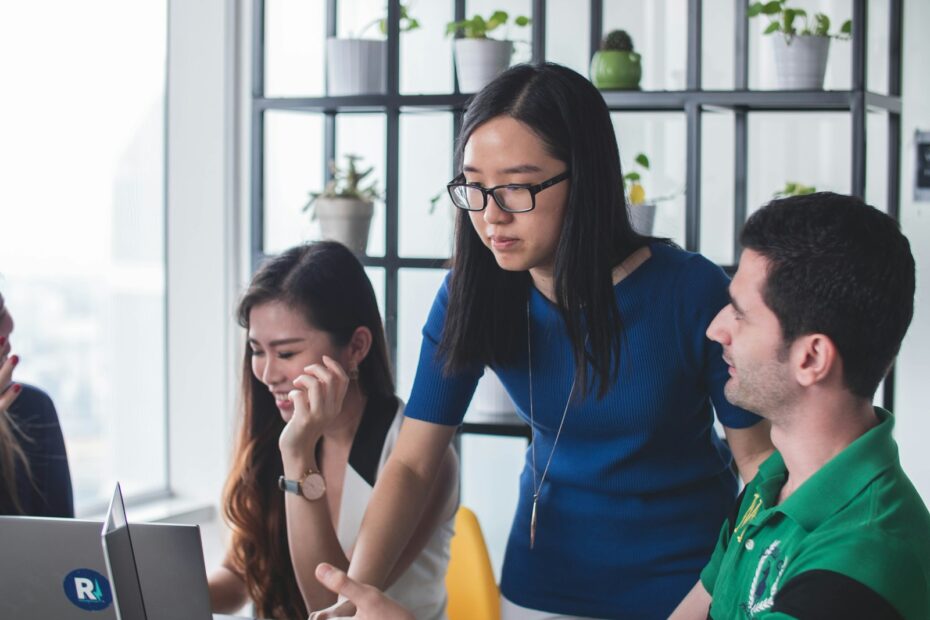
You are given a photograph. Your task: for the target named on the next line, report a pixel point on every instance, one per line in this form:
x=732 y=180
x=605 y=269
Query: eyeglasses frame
x=486 y=191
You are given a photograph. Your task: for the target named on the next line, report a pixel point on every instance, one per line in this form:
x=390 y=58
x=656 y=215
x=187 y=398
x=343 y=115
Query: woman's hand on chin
x=318 y=395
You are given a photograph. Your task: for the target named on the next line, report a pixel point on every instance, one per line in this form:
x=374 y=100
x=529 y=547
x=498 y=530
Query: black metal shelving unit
x=693 y=102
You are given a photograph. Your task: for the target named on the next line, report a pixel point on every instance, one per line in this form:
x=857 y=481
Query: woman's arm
x=311 y=537
x=440 y=506
x=398 y=505
x=750 y=447
x=228 y=593
x=694 y=606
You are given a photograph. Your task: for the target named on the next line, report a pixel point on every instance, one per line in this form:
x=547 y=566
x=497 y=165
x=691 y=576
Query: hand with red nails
x=369 y=602
x=318 y=395
x=9 y=391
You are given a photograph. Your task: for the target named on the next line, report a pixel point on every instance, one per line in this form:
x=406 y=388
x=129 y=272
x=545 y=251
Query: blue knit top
x=639 y=483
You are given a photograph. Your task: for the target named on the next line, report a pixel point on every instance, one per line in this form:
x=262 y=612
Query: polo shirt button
x=750 y=545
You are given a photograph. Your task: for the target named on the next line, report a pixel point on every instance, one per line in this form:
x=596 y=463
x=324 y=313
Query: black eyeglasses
x=512 y=198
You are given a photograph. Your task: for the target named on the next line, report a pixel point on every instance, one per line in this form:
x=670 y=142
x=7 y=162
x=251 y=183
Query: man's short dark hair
x=838 y=267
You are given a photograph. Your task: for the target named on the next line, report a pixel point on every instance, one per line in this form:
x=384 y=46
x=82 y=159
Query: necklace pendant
x=533 y=525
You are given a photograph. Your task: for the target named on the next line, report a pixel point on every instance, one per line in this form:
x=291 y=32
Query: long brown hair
x=11 y=456
x=328 y=286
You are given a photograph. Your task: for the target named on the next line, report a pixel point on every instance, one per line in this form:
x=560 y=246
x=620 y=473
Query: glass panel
x=661 y=137
x=813 y=149
x=522 y=37
x=839 y=62
x=490 y=476
x=877 y=42
x=876 y=160
x=293 y=167
x=416 y=290
x=363 y=135
x=295 y=31
x=717 y=183
x=83 y=235
x=360 y=18
x=426 y=53
x=425 y=168
x=659 y=31
x=567 y=33
x=717 y=54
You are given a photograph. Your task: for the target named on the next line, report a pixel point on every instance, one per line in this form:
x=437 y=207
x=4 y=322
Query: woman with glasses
x=598 y=335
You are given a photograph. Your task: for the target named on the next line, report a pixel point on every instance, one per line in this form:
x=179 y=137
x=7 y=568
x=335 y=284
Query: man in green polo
x=830 y=527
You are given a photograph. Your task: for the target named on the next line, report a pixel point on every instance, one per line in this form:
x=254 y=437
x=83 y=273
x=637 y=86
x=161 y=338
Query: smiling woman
x=320 y=418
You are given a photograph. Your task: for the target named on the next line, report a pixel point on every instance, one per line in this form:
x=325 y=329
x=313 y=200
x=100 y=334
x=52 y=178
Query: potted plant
x=345 y=208
x=478 y=59
x=358 y=66
x=616 y=66
x=801 y=53
x=642 y=210
x=793 y=188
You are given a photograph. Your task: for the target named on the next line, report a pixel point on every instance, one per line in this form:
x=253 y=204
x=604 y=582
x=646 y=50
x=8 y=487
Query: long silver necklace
x=537 y=489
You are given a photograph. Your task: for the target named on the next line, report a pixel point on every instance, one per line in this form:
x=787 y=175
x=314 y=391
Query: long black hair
x=486 y=320
x=327 y=285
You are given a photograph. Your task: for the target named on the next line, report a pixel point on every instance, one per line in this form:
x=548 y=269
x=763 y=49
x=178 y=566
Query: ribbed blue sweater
x=639 y=483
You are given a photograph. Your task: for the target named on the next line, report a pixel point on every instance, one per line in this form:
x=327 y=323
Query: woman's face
x=282 y=345
x=503 y=151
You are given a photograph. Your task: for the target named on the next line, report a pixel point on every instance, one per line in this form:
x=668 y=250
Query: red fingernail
x=17 y=388
x=14 y=360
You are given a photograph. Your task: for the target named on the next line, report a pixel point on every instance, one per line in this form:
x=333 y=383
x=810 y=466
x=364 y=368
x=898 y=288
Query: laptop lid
x=50 y=568
x=121 y=561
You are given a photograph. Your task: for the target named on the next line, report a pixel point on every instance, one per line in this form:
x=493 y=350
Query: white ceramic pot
x=801 y=62
x=478 y=61
x=642 y=217
x=356 y=66
x=346 y=220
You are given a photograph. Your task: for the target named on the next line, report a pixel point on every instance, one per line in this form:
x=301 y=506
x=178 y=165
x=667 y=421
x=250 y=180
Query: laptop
x=57 y=568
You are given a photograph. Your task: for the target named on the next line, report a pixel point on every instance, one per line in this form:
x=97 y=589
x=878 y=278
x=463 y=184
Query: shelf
x=397 y=262
x=633 y=101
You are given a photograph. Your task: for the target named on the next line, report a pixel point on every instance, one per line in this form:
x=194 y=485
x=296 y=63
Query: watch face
x=313 y=486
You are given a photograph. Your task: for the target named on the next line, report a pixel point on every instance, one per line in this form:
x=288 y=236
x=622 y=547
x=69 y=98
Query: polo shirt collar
x=840 y=479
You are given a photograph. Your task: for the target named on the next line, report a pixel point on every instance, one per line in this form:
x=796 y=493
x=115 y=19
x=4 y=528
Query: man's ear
x=814 y=357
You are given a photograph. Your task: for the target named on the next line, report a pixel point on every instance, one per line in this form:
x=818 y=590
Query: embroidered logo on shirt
x=764 y=586
x=754 y=507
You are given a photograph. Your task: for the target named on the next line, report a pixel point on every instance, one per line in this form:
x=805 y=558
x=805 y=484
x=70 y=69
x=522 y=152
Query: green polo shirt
x=853 y=541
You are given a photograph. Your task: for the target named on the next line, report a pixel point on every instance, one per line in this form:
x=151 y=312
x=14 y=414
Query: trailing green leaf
x=478 y=28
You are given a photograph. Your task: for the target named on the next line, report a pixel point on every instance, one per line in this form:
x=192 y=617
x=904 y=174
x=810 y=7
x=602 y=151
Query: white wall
x=203 y=239
x=912 y=399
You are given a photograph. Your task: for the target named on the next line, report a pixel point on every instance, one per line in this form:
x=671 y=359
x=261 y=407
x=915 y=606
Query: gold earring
x=353 y=374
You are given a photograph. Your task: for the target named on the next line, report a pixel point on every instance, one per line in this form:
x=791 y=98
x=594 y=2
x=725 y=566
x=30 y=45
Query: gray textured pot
x=346 y=220
x=356 y=66
x=478 y=61
x=642 y=217
x=801 y=61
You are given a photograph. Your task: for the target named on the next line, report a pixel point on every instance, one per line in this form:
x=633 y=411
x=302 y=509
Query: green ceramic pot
x=615 y=70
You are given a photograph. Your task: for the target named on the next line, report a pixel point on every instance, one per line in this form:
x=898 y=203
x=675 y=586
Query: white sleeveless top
x=422 y=587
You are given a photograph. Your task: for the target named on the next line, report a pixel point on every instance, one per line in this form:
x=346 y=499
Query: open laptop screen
x=121 y=562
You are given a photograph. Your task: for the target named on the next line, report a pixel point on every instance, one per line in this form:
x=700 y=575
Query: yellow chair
x=473 y=593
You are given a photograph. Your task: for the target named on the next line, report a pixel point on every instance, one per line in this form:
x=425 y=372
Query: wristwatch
x=311 y=485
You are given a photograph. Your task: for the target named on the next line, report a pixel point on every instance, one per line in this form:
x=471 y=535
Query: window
x=82 y=233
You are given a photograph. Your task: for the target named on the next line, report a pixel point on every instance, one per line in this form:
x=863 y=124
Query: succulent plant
x=618 y=40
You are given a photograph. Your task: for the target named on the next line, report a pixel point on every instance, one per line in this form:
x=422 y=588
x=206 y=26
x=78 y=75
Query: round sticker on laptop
x=88 y=589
